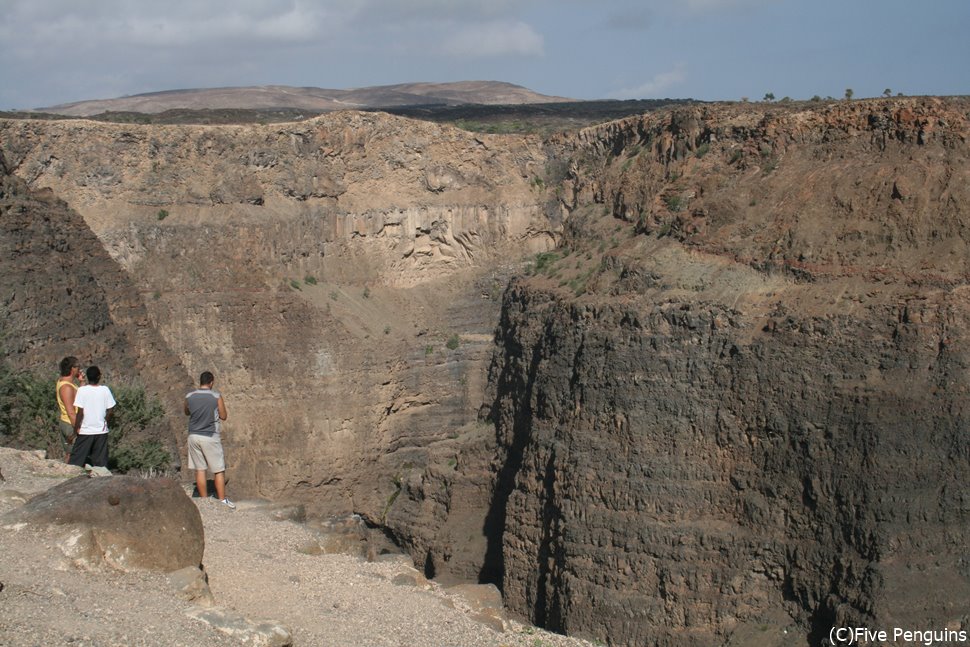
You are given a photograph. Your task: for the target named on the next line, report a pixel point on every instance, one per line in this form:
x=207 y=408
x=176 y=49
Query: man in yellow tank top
x=66 y=389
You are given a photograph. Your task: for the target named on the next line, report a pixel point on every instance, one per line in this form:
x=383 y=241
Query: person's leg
x=99 y=450
x=80 y=450
x=200 y=483
x=66 y=432
x=220 y=481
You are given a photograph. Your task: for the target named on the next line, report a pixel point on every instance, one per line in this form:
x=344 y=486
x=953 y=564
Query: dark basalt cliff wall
x=678 y=474
x=734 y=408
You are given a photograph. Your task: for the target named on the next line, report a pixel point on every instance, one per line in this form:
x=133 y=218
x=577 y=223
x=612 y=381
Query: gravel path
x=258 y=567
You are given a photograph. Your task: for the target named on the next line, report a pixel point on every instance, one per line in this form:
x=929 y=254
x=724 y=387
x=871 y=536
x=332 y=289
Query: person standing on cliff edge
x=66 y=389
x=93 y=406
x=206 y=410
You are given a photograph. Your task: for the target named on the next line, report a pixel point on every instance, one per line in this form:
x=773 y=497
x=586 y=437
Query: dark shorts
x=91 y=449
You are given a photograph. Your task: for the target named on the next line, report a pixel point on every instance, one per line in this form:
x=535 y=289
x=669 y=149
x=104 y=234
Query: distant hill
x=312 y=99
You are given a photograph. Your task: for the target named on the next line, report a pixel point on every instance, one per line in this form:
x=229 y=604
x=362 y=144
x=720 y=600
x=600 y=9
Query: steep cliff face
x=735 y=403
x=62 y=294
x=340 y=276
x=728 y=408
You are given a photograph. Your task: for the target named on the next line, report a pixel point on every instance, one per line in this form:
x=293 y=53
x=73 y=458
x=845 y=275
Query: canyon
x=692 y=377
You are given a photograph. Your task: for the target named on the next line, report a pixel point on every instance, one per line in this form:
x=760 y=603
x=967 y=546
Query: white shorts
x=205 y=452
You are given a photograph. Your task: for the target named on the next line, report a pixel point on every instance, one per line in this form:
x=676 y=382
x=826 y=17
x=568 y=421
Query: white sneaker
x=229 y=504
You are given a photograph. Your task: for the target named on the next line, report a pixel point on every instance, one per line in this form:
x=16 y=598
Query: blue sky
x=58 y=51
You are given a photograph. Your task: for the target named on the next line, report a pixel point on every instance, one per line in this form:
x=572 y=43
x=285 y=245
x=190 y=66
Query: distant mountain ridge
x=311 y=98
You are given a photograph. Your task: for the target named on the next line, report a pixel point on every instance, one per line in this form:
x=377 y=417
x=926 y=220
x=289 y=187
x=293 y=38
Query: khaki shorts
x=67 y=432
x=206 y=453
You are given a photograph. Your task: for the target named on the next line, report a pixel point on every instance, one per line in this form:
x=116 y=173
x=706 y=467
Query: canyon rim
x=667 y=380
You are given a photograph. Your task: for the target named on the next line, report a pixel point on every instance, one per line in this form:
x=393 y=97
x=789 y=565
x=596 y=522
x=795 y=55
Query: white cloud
x=298 y=24
x=67 y=25
x=655 y=87
x=494 y=39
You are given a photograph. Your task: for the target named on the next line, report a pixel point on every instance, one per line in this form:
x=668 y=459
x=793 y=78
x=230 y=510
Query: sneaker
x=229 y=504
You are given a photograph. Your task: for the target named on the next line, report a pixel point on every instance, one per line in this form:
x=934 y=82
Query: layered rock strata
x=340 y=276
x=729 y=404
x=737 y=398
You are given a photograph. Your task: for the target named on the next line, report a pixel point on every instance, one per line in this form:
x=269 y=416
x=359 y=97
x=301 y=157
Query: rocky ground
x=260 y=569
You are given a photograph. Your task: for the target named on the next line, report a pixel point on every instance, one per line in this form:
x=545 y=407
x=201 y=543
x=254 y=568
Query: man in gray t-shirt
x=206 y=409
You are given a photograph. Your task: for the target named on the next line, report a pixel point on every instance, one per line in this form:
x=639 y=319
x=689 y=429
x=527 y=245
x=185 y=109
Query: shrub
x=702 y=150
x=147 y=455
x=545 y=260
x=295 y=284
x=309 y=279
x=162 y=214
x=453 y=342
x=136 y=411
x=28 y=419
x=675 y=203
x=28 y=410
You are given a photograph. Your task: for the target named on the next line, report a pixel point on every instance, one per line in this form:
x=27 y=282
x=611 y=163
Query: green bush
x=143 y=455
x=136 y=411
x=453 y=342
x=28 y=420
x=162 y=214
x=29 y=414
x=545 y=260
x=675 y=203
x=28 y=410
x=309 y=279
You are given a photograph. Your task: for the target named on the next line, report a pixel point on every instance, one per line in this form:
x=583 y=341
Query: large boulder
x=126 y=522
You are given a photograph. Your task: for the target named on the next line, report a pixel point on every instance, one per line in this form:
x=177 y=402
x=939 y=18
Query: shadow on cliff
x=493 y=567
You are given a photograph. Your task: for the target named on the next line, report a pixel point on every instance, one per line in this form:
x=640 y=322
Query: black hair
x=206 y=378
x=94 y=374
x=67 y=364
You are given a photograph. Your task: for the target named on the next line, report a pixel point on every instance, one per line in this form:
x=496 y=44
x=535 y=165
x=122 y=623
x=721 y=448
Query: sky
x=60 y=51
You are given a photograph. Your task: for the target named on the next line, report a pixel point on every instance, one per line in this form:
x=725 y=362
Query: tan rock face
x=319 y=269
x=720 y=404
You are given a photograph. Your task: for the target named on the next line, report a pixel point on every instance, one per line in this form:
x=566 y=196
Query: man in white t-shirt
x=93 y=403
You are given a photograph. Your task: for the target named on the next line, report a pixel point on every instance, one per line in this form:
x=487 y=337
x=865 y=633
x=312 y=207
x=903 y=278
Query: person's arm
x=186 y=407
x=67 y=392
x=109 y=415
x=77 y=420
x=222 y=409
